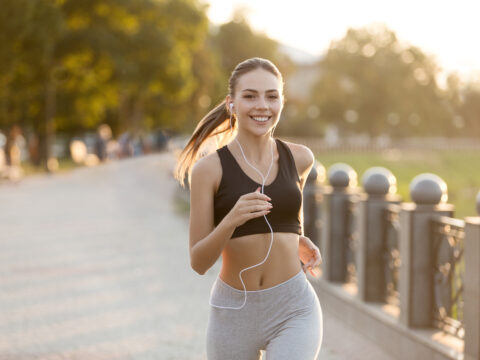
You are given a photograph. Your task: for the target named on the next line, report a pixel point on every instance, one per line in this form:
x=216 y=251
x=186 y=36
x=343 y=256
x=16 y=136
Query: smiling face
x=258 y=101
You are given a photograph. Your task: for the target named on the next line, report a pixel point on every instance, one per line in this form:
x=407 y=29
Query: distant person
x=3 y=160
x=138 y=145
x=245 y=205
x=13 y=153
x=103 y=136
x=34 y=149
x=125 y=145
x=160 y=140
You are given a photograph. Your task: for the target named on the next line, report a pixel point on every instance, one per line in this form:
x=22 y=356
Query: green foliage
x=141 y=57
x=30 y=30
x=371 y=83
x=236 y=42
x=469 y=118
x=100 y=56
x=69 y=65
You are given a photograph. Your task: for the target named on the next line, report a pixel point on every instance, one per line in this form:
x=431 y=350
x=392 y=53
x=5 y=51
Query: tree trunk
x=50 y=108
x=137 y=115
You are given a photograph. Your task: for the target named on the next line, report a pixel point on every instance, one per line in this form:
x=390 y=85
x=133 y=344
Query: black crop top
x=284 y=191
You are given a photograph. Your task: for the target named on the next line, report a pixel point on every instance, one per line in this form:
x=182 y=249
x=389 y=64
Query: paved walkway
x=94 y=266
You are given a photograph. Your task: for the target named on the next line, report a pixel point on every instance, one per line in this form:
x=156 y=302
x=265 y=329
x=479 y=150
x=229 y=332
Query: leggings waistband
x=221 y=291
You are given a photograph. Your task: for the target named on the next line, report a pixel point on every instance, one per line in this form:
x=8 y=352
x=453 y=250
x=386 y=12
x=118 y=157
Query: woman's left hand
x=309 y=255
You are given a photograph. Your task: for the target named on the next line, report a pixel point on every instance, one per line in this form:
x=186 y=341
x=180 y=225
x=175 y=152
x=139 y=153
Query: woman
x=246 y=201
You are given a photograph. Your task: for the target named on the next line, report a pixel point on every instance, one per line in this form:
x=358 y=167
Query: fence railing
x=391 y=253
x=448 y=272
x=351 y=239
x=413 y=256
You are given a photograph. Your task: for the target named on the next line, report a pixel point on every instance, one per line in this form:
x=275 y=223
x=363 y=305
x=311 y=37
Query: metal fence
x=448 y=274
x=391 y=253
x=412 y=256
x=352 y=239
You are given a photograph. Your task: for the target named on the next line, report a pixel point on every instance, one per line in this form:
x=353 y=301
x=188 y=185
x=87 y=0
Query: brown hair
x=216 y=122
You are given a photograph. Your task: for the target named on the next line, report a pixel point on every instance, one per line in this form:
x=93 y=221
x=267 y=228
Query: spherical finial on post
x=342 y=175
x=428 y=189
x=317 y=174
x=379 y=181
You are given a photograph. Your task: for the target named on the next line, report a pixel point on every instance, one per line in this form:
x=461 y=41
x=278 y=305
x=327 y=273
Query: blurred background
x=370 y=83
x=94 y=262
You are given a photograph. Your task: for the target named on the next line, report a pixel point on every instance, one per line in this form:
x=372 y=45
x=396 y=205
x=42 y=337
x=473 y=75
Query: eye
x=273 y=97
x=248 y=96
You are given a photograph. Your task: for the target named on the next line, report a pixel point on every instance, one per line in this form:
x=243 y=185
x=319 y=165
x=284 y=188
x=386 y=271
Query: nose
x=262 y=103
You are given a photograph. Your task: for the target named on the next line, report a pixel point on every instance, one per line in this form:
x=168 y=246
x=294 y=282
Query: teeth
x=261 y=119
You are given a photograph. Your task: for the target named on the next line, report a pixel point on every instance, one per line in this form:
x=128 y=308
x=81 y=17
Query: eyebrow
x=255 y=91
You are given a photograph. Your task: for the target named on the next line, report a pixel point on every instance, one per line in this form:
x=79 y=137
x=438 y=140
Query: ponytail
x=214 y=126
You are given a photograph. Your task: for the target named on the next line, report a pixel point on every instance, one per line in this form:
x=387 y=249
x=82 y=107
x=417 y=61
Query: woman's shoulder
x=302 y=155
x=207 y=169
x=208 y=164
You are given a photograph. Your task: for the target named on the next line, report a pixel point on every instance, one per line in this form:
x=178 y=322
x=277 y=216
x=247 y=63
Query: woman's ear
x=229 y=103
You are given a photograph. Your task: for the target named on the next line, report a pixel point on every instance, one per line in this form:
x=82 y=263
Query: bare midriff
x=282 y=264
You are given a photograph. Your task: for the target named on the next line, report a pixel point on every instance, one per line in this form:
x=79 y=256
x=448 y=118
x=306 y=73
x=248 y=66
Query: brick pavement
x=94 y=266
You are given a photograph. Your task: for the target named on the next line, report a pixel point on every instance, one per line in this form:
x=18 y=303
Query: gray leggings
x=284 y=320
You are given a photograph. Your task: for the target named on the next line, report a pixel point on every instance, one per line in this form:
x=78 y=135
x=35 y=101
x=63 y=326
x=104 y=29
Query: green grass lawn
x=460 y=169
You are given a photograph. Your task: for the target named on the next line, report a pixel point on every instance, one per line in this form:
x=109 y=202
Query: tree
x=370 y=83
x=469 y=111
x=70 y=65
x=31 y=30
x=236 y=41
x=142 y=52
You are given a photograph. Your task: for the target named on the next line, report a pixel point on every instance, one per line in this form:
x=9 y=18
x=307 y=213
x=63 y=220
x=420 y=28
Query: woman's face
x=258 y=101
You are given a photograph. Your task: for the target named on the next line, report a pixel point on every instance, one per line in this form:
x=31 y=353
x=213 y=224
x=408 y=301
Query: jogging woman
x=246 y=206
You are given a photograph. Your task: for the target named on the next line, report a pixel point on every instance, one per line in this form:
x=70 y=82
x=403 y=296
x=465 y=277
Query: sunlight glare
x=447 y=32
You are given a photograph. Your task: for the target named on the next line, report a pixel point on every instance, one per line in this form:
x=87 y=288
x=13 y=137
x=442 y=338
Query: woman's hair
x=217 y=122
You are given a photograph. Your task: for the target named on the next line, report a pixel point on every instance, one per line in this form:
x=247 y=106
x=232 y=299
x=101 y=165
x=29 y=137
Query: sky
x=447 y=30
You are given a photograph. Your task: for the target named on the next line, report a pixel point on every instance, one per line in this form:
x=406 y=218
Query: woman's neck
x=256 y=149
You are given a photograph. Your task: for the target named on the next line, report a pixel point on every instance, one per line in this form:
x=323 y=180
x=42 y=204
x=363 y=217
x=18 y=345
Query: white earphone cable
x=264 y=179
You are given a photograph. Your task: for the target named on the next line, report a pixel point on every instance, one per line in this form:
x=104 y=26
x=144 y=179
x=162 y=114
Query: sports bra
x=284 y=191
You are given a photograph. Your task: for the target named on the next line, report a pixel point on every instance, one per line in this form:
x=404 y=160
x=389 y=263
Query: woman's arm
x=304 y=160
x=309 y=255
x=206 y=241
x=308 y=252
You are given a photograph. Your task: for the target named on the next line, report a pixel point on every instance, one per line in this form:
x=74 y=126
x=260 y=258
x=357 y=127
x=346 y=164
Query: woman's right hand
x=249 y=206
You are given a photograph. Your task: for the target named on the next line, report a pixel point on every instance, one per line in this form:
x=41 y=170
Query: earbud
x=231 y=115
